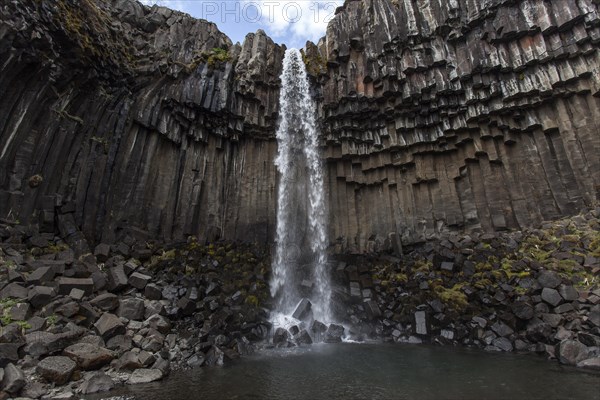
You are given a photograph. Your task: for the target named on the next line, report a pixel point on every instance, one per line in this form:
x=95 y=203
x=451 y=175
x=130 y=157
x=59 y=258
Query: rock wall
x=460 y=115
x=117 y=118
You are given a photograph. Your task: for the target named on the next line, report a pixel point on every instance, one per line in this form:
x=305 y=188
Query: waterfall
x=300 y=261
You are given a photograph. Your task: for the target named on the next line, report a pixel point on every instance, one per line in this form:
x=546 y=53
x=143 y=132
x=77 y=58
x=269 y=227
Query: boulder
x=551 y=296
x=421 y=323
x=503 y=344
x=131 y=309
x=548 y=279
x=501 y=329
x=318 y=329
x=20 y=312
x=109 y=325
x=98 y=382
x=152 y=292
x=65 y=285
x=77 y=294
x=145 y=375
x=372 y=309
x=88 y=356
x=447 y=266
x=13 y=380
x=57 y=369
x=138 y=280
x=302 y=337
x=334 y=334
x=39 y=296
x=568 y=292
x=303 y=309
x=590 y=363
x=102 y=252
x=280 y=336
x=570 y=352
x=128 y=361
x=15 y=291
x=158 y=322
x=41 y=275
x=117 y=278
x=106 y=301
x=522 y=310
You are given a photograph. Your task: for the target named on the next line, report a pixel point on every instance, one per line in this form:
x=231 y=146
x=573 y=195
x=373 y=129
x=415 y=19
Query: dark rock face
x=436 y=115
x=153 y=113
x=459 y=117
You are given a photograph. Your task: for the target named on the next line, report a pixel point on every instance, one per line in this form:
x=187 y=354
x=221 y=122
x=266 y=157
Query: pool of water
x=375 y=371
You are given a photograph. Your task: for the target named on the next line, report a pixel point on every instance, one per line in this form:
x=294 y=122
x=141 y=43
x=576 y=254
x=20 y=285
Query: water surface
x=367 y=371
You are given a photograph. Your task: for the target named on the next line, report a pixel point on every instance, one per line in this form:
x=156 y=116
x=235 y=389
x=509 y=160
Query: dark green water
x=366 y=371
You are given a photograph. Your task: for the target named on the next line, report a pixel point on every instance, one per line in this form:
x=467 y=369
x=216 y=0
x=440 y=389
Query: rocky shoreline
x=127 y=314
x=535 y=291
x=133 y=312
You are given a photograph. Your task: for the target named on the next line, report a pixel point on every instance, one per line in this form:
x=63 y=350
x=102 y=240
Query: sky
x=287 y=22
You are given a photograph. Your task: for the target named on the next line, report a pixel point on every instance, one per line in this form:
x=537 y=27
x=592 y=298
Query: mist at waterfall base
x=300 y=259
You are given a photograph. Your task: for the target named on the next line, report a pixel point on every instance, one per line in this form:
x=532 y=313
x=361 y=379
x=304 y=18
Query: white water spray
x=301 y=238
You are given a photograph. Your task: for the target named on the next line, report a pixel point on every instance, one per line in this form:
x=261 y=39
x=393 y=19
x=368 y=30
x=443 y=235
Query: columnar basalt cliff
x=117 y=119
x=458 y=115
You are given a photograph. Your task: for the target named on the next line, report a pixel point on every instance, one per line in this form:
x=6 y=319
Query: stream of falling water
x=300 y=261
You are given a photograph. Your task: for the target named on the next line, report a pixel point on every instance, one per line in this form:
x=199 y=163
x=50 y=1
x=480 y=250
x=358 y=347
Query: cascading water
x=300 y=262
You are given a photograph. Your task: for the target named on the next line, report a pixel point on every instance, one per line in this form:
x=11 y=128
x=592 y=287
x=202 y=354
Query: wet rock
x=303 y=310
x=88 y=356
x=570 y=352
x=98 y=382
x=106 y=301
x=590 y=363
x=195 y=361
x=334 y=334
x=57 y=369
x=144 y=375
x=501 y=329
x=280 y=336
x=13 y=380
x=132 y=309
x=588 y=339
x=551 y=296
x=318 y=329
x=109 y=325
x=372 y=309
x=302 y=337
